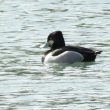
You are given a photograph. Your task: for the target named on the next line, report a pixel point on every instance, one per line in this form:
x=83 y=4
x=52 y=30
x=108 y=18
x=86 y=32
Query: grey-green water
x=26 y=83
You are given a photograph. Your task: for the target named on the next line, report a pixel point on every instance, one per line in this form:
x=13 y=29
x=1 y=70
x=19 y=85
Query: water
x=26 y=83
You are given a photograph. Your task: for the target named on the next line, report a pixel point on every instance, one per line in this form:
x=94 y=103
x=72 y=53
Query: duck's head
x=55 y=40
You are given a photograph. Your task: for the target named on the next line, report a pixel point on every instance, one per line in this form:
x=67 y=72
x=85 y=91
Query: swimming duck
x=60 y=53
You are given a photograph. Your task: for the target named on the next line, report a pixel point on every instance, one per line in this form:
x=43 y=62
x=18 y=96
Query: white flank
x=65 y=57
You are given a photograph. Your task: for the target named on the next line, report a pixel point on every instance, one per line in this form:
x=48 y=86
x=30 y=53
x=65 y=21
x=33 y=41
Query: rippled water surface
x=26 y=83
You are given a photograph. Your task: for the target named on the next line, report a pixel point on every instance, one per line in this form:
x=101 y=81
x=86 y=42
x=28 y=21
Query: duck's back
x=70 y=54
x=88 y=54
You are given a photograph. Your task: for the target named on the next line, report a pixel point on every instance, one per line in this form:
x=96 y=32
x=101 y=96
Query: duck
x=60 y=53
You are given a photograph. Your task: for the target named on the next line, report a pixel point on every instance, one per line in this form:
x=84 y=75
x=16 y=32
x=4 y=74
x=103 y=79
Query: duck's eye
x=50 y=38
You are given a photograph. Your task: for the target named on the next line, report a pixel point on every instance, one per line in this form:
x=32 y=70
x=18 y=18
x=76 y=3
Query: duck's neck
x=57 y=46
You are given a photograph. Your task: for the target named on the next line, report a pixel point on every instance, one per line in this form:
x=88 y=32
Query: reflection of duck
x=59 y=53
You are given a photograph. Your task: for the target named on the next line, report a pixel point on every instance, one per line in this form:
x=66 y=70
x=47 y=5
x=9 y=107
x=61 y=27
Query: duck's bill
x=45 y=45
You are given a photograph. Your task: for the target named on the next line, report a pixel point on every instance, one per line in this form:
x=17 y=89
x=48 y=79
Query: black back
x=88 y=54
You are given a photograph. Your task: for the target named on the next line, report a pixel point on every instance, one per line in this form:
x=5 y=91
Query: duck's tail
x=98 y=52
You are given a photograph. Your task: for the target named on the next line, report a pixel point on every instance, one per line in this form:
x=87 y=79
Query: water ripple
x=27 y=83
